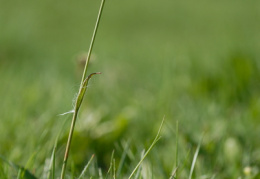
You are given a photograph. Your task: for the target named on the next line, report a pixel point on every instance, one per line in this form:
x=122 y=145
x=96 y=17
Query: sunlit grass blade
x=86 y=167
x=156 y=139
x=174 y=173
x=194 y=160
x=100 y=173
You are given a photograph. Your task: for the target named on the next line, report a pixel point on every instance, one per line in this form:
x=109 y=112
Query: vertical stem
x=92 y=41
x=76 y=108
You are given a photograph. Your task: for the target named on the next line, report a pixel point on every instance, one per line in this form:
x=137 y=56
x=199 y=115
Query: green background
x=195 y=62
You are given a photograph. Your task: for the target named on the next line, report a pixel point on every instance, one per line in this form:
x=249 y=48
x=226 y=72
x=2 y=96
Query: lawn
x=196 y=64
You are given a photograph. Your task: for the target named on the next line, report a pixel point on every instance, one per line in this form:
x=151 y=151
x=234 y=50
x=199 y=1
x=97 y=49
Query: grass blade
x=149 y=149
x=139 y=169
x=195 y=159
x=81 y=93
x=86 y=167
x=51 y=169
x=122 y=159
x=114 y=164
x=174 y=174
x=111 y=164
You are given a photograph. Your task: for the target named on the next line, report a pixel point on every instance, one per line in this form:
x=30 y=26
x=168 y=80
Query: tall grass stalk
x=82 y=90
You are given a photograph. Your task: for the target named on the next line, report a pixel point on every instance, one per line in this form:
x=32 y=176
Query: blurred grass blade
x=86 y=167
x=195 y=159
x=140 y=168
x=122 y=159
x=3 y=173
x=22 y=172
x=114 y=164
x=19 y=175
x=69 y=112
x=100 y=173
x=51 y=169
x=111 y=164
x=174 y=174
x=149 y=149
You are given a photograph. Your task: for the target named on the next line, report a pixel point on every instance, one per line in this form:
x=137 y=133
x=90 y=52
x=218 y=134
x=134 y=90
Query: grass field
x=197 y=63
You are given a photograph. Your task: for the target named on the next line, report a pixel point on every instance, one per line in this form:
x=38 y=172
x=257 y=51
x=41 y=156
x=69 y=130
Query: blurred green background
x=196 y=62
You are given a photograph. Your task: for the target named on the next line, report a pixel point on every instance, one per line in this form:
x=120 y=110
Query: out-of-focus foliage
x=193 y=61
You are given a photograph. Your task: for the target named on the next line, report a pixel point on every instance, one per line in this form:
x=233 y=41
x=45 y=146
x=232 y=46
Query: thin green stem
x=92 y=41
x=81 y=93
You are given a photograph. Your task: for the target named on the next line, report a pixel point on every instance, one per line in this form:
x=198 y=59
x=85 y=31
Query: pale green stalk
x=194 y=161
x=82 y=90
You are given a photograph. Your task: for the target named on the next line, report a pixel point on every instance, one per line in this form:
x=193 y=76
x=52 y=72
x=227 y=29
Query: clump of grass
x=81 y=93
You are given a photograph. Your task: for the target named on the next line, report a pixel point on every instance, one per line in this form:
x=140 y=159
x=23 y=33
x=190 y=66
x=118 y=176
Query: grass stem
x=81 y=93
